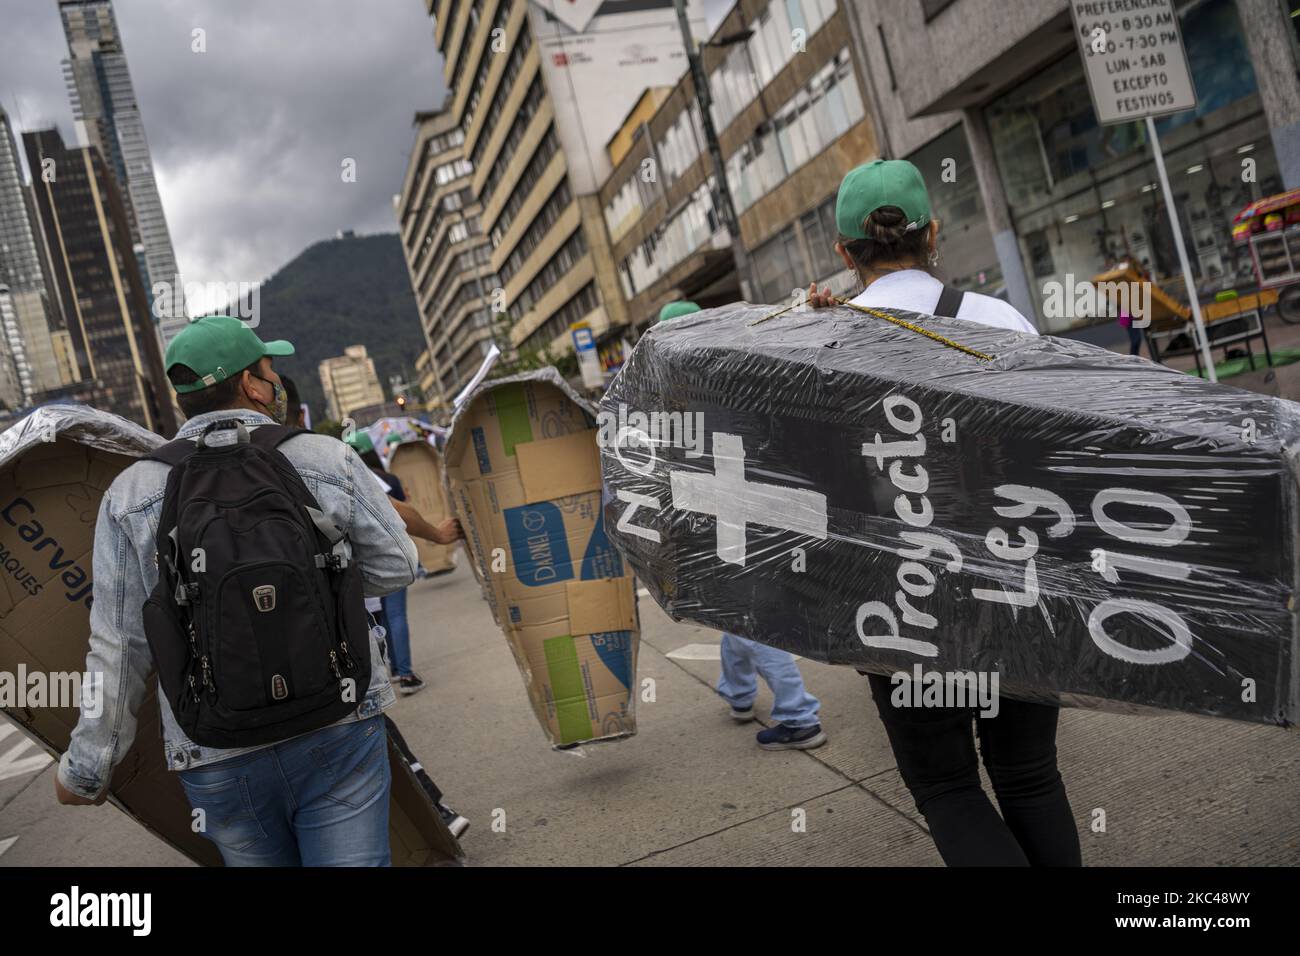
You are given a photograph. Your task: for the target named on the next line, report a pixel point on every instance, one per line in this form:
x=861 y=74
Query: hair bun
x=887 y=225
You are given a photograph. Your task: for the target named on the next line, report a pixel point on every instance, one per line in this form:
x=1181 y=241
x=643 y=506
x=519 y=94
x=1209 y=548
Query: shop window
x=781 y=266
x=966 y=255
x=1084 y=197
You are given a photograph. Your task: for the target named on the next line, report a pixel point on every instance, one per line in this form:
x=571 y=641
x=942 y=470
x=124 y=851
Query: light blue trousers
x=744 y=660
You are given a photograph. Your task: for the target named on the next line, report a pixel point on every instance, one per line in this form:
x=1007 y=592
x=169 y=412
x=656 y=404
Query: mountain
x=340 y=292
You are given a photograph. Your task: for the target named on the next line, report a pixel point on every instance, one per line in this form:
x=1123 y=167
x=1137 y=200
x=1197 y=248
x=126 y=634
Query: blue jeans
x=743 y=660
x=316 y=800
x=399 y=632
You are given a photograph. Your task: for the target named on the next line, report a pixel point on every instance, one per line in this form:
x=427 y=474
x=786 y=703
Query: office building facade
x=33 y=311
x=111 y=347
x=448 y=256
x=103 y=98
x=350 y=382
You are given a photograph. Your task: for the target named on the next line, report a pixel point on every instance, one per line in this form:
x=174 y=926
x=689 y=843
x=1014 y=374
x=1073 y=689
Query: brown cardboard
x=523 y=476
x=50 y=494
x=558 y=467
x=603 y=605
x=418 y=466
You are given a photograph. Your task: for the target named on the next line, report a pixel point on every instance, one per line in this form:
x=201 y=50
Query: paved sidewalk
x=691 y=788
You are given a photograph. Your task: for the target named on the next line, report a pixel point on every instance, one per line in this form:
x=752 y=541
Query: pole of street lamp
x=722 y=194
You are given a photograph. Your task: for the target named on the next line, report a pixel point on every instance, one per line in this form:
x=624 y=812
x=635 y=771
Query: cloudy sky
x=248 y=137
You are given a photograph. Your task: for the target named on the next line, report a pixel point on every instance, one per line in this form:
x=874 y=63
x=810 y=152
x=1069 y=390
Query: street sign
x=1134 y=57
x=1136 y=64
x=584 y=344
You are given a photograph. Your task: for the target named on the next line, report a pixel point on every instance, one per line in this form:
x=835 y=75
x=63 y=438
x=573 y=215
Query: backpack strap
x=266 y=436
x=949 y=302
x=172 y=453
x=273 y=436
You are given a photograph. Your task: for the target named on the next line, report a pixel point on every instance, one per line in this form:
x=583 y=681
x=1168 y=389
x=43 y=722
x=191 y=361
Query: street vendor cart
x=1270 y=229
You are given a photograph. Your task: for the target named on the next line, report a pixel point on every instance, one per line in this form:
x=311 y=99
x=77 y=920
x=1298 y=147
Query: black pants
x=935 y=750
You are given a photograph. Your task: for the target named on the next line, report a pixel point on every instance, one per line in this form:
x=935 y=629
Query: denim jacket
x=125 y=574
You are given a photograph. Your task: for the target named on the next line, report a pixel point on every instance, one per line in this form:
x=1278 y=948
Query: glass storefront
x=967 y=259
x=1083 y=196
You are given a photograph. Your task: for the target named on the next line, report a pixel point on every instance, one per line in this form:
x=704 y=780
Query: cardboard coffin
x=55 y=466
x=523 y=476
x=418 y=466
x=1084 y=525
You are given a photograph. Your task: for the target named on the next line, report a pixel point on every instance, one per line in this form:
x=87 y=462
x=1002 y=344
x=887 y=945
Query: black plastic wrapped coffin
x=1090 y=527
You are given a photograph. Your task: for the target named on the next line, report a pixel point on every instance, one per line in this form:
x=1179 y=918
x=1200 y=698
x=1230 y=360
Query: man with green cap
x=319 y=798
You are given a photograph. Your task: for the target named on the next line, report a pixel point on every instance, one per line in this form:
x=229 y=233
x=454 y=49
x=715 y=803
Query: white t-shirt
x=917 y=291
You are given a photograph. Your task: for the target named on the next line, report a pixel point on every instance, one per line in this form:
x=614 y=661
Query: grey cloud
x=248 y=137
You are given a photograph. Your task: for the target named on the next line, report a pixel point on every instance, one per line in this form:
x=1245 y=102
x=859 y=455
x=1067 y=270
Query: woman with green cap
x=888 y=240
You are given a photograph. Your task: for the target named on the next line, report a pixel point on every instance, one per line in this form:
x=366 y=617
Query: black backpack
x=257 y=625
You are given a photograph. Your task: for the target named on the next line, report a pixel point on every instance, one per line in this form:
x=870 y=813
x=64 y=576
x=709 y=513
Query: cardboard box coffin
x=1079 y=524
x=55 y=466
x=524 y=478
x=418 y=466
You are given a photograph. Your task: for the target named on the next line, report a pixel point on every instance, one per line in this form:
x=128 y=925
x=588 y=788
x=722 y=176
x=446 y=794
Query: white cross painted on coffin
x=737 y=503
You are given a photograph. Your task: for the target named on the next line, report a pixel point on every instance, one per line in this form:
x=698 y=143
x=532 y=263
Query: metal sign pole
x=1202 y=339
x=750 y=287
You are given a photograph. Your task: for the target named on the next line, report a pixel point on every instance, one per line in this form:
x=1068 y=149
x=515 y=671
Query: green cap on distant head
x=360 y=442
x=881 y=182
x=216 y=347
x=674 y=310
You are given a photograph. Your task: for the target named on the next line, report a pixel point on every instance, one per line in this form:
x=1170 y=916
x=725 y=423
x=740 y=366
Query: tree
x=328 y=426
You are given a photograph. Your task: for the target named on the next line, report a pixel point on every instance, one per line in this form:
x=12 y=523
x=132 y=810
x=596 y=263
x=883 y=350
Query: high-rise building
x=103 y=98
x=535 y=90
x=33 y=312
x=350 y=382
x=12 y=395
x=448 y=255
x=112 y=345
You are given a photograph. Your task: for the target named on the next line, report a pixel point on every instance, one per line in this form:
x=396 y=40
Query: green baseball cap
x=216 y=347
x=675 y=309
x=881 y=182
x=360 y=442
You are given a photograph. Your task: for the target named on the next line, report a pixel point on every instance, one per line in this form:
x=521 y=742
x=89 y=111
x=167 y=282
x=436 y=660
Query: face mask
x=279 y=408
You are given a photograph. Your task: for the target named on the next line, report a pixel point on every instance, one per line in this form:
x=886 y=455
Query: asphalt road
x=692 y=788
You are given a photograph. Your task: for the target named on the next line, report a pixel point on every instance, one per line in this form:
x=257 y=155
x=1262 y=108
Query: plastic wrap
x=1089 y=527
x=80 y=423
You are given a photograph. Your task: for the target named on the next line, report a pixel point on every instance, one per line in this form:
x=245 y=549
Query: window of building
x=779 y=263
x=558 y=324
x=824 y=110
x=967 y=258
x=546 y=149
x=733 y=85
x=672 y=242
